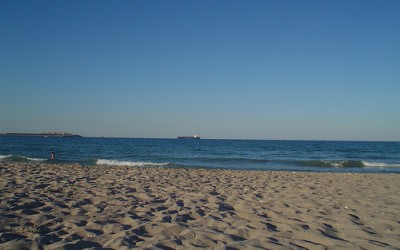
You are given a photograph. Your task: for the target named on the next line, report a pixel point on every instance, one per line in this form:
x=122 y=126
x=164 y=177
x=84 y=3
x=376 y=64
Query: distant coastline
x=189 y=137
x=45 y=134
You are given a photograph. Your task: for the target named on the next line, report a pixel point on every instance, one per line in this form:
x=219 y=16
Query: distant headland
x=45 y=134
x=189 y=137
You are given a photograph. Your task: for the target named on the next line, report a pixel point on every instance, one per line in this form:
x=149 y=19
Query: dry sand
x=75 y=207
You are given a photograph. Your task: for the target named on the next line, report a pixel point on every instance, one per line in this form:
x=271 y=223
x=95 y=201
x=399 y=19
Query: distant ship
x=46 y=134
x=189 y=137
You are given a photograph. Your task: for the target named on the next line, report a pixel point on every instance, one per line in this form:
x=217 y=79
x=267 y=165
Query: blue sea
x=308 y=156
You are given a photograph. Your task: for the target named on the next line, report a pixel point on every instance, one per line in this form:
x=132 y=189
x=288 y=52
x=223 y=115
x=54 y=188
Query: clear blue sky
x=220 y=69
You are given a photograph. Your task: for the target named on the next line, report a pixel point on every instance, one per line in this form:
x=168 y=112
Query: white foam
x=380 y=164
x=34 y=159
x=4 y=156
x=337 y=164
x=129 y=163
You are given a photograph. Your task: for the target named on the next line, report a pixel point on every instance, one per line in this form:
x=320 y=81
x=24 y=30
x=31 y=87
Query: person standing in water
x=52 y=156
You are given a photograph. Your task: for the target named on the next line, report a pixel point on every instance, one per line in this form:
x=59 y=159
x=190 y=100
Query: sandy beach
x=74 y=207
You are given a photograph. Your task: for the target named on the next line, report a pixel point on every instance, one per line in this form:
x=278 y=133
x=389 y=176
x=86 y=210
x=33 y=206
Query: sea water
x=311 y=156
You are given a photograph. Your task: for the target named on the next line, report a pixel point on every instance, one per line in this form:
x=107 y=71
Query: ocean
x=265 y=155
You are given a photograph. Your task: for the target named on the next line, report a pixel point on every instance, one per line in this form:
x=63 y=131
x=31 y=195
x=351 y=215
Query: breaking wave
x=380 y=164
x=346 y=164
x=2 y=157
x=19 y=158
x=130 y=163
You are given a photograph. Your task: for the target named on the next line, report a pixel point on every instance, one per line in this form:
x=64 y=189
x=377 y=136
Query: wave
x=4 y=157
x=304 y=163
x=129 y=163
x=19 y=158
x=34 y=159
x=345 y=164
x=380 y=164
x=225 y=160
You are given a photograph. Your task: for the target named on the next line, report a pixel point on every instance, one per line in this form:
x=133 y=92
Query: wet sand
x=76 y=207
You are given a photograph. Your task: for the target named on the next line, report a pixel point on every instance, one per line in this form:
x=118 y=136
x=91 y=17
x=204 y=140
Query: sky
x=313 y=70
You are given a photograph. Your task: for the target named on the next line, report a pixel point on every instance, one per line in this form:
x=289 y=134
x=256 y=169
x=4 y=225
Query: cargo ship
x=189 y=137
x=46 y=134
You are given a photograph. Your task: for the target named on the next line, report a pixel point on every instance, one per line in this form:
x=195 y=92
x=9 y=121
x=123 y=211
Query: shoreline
x=365 y=169
x=59 y=206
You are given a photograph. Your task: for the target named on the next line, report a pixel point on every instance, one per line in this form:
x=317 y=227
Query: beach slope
x=76 y=207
